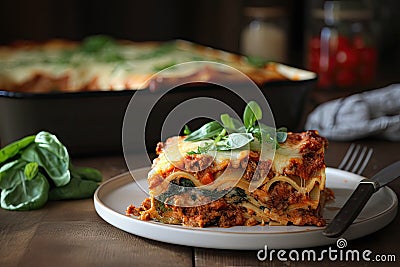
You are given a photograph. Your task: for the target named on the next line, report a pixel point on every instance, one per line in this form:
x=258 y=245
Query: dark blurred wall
x=216 y=23
x=38 y=20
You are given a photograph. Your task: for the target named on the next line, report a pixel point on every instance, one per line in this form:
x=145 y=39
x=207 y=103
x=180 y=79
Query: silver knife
x=366 y=188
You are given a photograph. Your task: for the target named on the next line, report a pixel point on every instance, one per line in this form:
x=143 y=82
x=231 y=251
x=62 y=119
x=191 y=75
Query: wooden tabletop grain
x=70 y=233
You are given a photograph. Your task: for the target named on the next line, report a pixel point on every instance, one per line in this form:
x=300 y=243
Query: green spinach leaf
x=12 y=173
x=51 y=155
x=24 y=181
x=77 y=188
x=12 y=149
x=27 y=195
x=31 y=169
x=86 y=173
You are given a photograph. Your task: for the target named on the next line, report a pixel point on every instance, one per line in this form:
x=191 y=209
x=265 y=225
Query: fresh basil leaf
x=251 y=114
x=187 y=130
x=220 y=135
x=232 y=124
x=227 y=121
x=256 y=109
x=281 y=137
x=235 y=141
x=28 y=195
x=238 y=140
x=207 y=131
x=31 y=169
x=280 y=133
x=264 y=133
x=51 y=155
x=12 y=149
x=282 y=129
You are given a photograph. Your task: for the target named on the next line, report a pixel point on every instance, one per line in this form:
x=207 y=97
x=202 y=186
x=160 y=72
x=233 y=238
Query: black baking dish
x=91 y=122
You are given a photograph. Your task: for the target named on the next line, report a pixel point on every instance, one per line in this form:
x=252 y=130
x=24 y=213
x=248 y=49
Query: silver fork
x=356 y=158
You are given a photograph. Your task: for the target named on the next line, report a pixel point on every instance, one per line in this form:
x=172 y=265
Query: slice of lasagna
x=194 y=184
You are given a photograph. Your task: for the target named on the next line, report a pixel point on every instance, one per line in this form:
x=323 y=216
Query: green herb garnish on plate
x=230 y=133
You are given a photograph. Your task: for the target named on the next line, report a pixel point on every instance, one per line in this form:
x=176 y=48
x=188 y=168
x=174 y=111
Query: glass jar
x=265 y=33
x=341 y=47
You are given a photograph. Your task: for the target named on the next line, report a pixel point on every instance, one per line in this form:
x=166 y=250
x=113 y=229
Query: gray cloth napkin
x=371 y=113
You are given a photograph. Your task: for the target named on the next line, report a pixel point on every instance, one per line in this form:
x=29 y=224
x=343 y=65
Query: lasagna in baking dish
x=202 y=182
x=102 y=63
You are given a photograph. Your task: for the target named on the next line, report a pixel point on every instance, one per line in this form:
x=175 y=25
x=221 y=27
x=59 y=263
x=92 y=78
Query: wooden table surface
x=70 y=233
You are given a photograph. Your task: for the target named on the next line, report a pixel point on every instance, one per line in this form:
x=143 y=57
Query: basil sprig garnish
x=230 y=133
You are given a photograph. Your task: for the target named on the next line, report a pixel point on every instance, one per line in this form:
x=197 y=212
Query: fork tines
x=356 y=159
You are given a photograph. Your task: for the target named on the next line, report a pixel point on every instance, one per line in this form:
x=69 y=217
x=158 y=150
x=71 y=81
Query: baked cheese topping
x=101 y=63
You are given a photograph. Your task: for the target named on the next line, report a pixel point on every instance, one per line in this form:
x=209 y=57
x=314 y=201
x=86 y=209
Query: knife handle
x=349 y=212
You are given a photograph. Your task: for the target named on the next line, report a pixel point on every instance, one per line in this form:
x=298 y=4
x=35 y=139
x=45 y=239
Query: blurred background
x=222 y=24
x=353 y=45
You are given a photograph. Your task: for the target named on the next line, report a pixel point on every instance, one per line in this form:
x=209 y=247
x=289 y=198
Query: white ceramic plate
x=115 y=195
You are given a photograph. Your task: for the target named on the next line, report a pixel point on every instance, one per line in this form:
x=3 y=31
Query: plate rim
x=124 y=179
